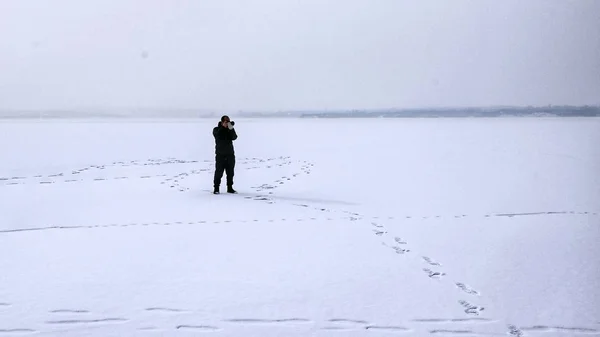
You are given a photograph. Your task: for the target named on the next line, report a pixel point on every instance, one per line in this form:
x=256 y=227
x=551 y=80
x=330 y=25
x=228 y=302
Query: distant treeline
x=555 y=111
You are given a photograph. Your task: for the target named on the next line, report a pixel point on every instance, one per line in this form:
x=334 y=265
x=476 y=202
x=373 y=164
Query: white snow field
x=342 y=227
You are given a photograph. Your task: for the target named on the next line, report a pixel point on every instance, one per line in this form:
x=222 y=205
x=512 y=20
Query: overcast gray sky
x=298 y=54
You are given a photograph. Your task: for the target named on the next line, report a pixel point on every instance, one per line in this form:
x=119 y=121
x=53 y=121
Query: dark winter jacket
x=224 y=140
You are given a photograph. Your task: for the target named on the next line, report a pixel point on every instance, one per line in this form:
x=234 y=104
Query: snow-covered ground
x=369 y=227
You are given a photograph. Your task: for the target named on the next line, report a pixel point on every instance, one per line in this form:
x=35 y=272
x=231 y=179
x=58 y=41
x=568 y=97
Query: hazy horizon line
x=208 y=110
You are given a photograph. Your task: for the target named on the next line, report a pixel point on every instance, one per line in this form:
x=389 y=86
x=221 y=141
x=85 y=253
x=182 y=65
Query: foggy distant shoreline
x=484 y=112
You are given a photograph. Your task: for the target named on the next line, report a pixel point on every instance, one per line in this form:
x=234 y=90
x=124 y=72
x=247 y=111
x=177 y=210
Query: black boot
x=216 y=190
x=230 y=189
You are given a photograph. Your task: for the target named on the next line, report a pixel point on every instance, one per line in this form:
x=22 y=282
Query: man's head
x=226 y=122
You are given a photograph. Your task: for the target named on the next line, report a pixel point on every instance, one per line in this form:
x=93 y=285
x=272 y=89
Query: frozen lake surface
x=341 y=227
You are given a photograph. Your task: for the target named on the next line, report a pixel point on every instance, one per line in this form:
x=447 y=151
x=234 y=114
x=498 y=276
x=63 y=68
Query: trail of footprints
x=81 y=317
x=432 y=268
x=73 y=176
x=173 y=223
x=398 y=247
x=305 y=168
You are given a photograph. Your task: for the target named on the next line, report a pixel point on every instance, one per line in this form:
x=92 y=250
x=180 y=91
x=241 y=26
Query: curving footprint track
x=85 y=174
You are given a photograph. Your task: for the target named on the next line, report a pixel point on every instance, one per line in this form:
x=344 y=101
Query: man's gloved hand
x=230 y=125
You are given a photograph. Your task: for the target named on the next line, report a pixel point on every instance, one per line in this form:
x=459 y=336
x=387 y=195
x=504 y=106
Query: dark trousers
x=224 y=163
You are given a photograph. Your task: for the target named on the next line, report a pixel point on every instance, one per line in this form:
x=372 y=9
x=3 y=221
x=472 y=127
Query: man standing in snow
x=224 y=134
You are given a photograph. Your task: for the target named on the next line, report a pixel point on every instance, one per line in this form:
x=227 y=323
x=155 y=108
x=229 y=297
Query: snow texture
x=341 y=227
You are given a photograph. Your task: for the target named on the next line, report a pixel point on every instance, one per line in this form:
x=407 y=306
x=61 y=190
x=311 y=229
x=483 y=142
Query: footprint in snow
x=513 y=330
x=399 y=250
x=378 y=232
x=544 y=328
x=433 y=274
x=454 y=320
x=197 y=327
x=470 y=308
x=453 y=332
x=12 y=332
x=467 y=289
x=430 y=261
x=348 y=321
x=346 y=324
x=69 y=311
x=280 y=321
x=399 y=241
x=384 y=328
x=88 y=321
